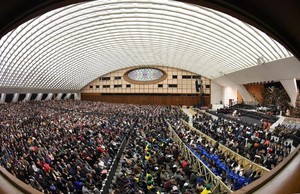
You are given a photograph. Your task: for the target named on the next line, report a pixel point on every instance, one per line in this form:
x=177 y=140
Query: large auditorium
x=149 y=97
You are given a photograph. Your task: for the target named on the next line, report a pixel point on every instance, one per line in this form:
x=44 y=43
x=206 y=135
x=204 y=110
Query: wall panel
x=256 y=90
x=184 y=86
x=147 y=99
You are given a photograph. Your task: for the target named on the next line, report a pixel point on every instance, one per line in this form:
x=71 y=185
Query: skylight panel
x=96 y=37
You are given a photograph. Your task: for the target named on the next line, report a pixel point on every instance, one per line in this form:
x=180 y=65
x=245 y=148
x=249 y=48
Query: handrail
x=284 y=184
x=217 y=185
x=18 y=184
x=241 y=160
x=112 y=170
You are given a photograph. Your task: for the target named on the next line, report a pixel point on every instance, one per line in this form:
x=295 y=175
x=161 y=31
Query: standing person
x=268 y=124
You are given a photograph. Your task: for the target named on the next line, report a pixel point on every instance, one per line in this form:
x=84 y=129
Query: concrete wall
x=221 y=94
x=216 y=93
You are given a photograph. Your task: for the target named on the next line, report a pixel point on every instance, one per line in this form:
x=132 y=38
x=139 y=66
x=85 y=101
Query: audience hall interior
x=69 y=145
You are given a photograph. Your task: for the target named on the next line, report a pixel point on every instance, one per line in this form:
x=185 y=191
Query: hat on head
x=149 y=177
x=208 y=186
x=149 y=182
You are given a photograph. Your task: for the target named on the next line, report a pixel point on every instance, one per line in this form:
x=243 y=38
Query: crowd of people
x=153 y=163
x=287 y=129
x=68 y=147
x=234 y=175
x=62 y=146
x=257 y=143
x=250 y=141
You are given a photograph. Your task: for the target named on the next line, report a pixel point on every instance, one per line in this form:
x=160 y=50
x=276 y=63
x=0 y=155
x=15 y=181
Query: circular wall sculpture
x=145 y=75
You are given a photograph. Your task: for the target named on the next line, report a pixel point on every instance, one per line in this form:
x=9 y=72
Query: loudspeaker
x=197 y=86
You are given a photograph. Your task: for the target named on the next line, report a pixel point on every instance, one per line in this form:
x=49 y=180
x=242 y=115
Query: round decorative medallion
x=145 y=75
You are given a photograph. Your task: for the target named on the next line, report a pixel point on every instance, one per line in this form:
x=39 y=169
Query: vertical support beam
x=3 y=95
x=77 y=96
x=59 y=95
x=67 y=96
x=216 y=95
x=290 y=87
x=15 y=98
x=49 y=97
x=28 y=96
x=39 y=97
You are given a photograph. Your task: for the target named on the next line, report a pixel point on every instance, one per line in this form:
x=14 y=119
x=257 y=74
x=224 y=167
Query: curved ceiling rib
x=69 y=47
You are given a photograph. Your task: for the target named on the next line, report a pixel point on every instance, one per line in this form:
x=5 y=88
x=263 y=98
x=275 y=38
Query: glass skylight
x=74 y=45
x=145 y=74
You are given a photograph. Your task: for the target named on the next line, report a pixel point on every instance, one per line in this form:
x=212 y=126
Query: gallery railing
x=228 y=152
x=284 y=178
x=11 y=184
x=217 y=185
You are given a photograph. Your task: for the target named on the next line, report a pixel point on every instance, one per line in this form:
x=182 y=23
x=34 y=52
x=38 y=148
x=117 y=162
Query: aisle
x=190 y=113
x=278 y=122
x=208 y=113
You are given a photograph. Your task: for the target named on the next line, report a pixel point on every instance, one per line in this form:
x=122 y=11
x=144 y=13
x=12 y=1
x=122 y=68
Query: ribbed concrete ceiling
x=69 y=47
